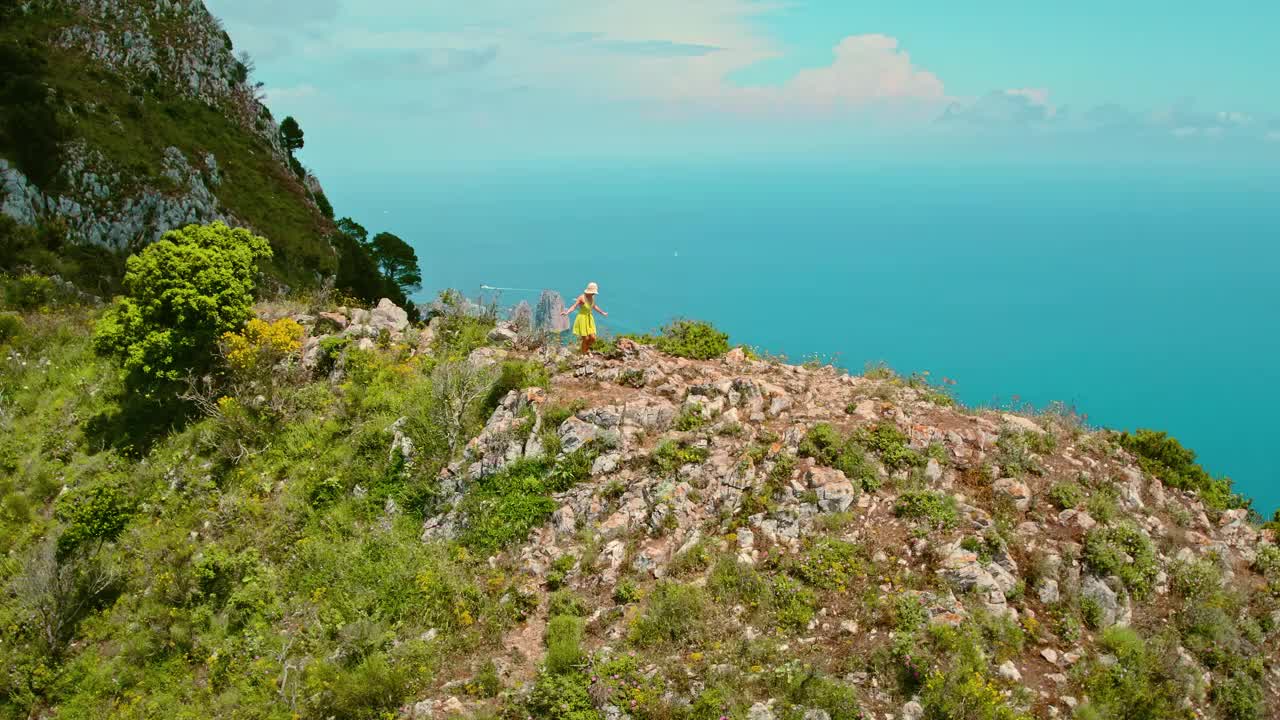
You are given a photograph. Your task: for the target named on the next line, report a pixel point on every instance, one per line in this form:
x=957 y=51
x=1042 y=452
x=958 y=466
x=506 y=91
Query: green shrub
x=559 y=571
x=675 y=615
x=1125 y=552
x=11 y=327
x=553 y=416
x=1104 y=505
x=96 y=514
x=830 y=564
x=695 y=559
x=1176 y=466
x=564 y=644
x=181 y=294
x=1091 y=612
x=626 y=593
x=878 y=370
x=1066 y=623
x=29 y=292
x=909 y=613
x=934 y=508
x=1144 y=681
x=981 y=546
x=670 y=456
x=804 y=688
x=793 y=605
x=565 y=602
x=1239 y=697
x=1267 y=562
x=372 y=686
x=1016 y=449
x=562 y=696
x=965 y=695
x=692 y=339
x=631 y=377
x=515 y=375
x=1199 y=578
x=690 y=418
x=1066 y=494
x=890 y=444
x=618 y=680
x=828 y=448
x=732 y=581
x=486 y=683
x=501 y=509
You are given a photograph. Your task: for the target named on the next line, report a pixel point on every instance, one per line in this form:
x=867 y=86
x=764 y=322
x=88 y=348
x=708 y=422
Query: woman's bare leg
x=591 y=341
x=586 y=344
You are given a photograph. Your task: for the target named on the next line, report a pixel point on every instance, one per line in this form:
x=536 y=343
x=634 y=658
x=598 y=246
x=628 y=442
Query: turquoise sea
x=1145 y=298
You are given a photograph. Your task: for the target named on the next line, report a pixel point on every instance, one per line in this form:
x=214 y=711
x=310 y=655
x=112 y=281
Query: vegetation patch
x=1123 y=551
x=830 y=564
x=1066 y=494
x=670 y=456
x=890 y=444
x=675 y=615
x=829 y=448
x=932 y=508
x=1017 y=451
x=504 y=507
x=693 y=339
x=690 y=418
x=1165 y=458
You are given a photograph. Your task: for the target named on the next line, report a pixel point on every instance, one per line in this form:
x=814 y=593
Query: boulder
x=503 y=333
x=1110 y=597
x=835 y=492
x=1022 y=423
x=1009 y=672
x=1016 y=491
x=390 y=316
x=338 y=319
x=575 y=433
x=1048 y=591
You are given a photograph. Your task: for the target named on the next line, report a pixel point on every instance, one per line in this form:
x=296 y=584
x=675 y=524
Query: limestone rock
x=1016 y=491
x=1110 y=597
x=387 y=315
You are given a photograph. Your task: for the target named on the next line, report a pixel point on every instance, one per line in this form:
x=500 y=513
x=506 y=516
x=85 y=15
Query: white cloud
x=867 y=69
x=656 y=56
x=1016 y=108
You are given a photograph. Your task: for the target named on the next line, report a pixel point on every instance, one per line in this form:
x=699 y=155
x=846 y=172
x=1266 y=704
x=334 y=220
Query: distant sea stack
x=549 y=316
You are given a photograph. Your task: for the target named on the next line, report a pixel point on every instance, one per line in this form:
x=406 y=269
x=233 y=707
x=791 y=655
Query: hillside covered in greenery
x=288 y=507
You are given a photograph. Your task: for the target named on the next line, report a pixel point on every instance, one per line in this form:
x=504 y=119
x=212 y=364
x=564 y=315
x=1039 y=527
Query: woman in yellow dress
x=584 y=326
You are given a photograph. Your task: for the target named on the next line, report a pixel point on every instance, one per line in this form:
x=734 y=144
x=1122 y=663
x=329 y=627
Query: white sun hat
x=592 y=289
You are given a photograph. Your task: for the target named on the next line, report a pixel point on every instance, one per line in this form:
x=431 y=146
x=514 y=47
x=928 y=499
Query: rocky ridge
x=746 y=422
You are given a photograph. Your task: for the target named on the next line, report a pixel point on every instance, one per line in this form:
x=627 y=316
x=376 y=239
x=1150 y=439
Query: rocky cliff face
x=957 y=518
x=163 y=129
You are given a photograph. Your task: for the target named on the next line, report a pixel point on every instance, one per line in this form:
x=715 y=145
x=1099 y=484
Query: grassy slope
x=229 y=572
x=132 y=127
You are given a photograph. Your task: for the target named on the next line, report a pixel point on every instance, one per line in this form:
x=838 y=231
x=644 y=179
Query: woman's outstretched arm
x=572 y=307
x=601 y=311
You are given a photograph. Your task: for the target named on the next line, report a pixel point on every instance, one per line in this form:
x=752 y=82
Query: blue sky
x=397 y=85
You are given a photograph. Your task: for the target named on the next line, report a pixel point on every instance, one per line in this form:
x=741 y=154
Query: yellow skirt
x=584 y=324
